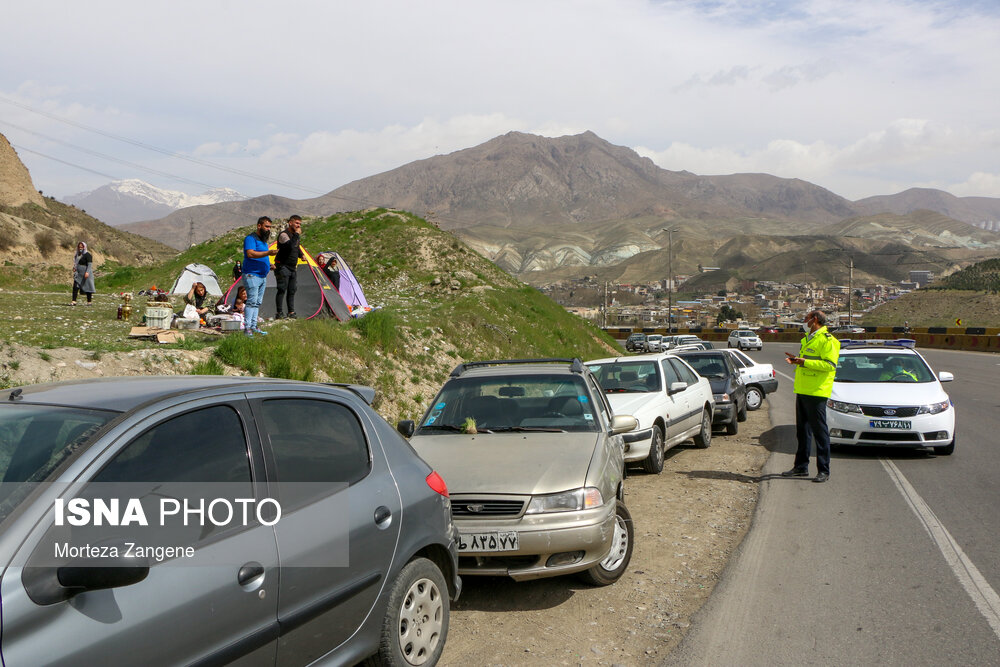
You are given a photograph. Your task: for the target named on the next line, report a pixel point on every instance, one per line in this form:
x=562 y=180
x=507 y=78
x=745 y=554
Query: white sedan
x=671 y=401
x=885 y=394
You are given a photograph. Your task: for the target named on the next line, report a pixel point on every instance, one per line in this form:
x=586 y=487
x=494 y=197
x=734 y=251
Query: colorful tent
x=315 y=295
x=350 y=288
x=197 y=273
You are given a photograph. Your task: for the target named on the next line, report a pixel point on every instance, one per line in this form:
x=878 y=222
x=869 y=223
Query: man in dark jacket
x=285 y=263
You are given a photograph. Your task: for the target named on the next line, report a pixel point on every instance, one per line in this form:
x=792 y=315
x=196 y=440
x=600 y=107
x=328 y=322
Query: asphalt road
x=894 y=561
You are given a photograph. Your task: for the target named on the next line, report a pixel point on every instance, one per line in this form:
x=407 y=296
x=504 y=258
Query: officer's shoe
x=821 y=477
x=796 y=472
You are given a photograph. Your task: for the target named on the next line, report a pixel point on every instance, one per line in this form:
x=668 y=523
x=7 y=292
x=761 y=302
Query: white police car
x=885 y=394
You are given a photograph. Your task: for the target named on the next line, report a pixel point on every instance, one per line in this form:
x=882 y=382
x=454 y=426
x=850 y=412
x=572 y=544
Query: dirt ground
x=688 y=521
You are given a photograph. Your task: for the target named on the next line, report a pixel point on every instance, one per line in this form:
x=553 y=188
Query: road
x=892 y=562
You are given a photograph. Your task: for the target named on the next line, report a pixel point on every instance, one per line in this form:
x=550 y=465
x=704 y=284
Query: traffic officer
x=816 y=365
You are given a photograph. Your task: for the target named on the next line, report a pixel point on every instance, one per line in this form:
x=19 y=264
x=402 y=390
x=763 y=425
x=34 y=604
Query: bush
x=46 y=242
x=378 y=327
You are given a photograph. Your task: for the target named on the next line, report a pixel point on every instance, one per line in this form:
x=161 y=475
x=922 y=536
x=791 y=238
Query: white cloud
x=323 y=93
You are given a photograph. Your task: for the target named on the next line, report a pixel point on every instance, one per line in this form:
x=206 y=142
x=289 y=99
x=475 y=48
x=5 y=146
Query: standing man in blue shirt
x=255 y=269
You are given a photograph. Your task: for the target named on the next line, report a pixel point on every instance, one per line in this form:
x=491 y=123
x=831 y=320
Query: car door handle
x=382 y=516
x=249 y=572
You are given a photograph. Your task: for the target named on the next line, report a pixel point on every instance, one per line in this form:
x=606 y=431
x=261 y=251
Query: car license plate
x=889 y=423
x=505 y=541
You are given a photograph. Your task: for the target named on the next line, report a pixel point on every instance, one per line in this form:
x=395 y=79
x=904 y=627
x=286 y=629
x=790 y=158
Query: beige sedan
x=533 y=459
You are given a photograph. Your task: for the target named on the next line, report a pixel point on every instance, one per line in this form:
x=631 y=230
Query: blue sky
x=299 y=97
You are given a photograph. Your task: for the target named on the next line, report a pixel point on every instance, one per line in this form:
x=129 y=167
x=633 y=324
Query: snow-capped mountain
x=132 y=200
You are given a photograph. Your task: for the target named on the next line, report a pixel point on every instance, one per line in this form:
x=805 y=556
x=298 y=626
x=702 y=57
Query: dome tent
x=197 y=273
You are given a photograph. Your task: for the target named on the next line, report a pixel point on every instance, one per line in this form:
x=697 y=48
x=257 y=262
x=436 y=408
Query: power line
x=163 y=151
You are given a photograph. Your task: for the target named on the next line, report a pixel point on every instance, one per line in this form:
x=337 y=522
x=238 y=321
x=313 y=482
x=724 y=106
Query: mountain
x=132 y=200
x=525 y=181
x=973 y=210
x=39 y=235
x=195 y=224
x=544 y=209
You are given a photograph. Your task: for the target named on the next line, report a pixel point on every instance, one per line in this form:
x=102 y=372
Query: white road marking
x=787 y=377
x=974 y=583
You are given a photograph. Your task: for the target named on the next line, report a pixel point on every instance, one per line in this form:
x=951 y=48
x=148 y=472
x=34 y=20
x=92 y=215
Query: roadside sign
x=958 y=321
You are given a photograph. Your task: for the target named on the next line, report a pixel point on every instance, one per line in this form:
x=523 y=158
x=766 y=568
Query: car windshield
x=882 y=367
x=498 y=403
x=35 y=440
x=711 y=367
x=627 y=376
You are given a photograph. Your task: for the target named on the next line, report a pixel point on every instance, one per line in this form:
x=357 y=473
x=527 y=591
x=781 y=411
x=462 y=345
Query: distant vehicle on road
x=744 y=339
x=636 y=342
x=848 y=330
x=653 y=343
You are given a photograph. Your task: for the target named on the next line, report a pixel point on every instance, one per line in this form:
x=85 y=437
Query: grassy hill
x=439 y=304
x=938 y=308
x=983 y=276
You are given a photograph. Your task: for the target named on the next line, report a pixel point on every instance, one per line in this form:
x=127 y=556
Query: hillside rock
x=16 y=188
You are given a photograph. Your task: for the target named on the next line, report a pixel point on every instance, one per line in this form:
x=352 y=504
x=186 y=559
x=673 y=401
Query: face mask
x=805 y=327
x=264 y=233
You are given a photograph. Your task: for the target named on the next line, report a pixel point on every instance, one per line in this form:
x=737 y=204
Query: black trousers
x=76 y=291
x=286 y=279
x=810 y=420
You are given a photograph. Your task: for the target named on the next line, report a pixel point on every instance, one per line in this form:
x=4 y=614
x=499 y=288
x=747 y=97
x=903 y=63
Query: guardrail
x=982 y=339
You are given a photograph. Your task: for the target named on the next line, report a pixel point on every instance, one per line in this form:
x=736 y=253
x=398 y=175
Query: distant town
x=750 y=303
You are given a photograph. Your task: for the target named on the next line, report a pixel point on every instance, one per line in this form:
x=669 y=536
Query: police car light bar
x=880 y=342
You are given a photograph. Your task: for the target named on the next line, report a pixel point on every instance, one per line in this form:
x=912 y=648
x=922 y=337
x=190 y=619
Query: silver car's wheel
x=610 y=570
x=416 y=622
x=755 y=398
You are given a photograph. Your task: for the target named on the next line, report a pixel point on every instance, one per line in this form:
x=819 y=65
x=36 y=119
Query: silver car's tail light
x=437 y=484
x=568 y=501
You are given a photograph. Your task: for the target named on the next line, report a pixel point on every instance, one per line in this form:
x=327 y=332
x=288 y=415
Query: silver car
x=347 y=552
x=533 y=456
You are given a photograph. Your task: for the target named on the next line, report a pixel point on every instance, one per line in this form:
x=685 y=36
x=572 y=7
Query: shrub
x=46 y=242
x=378 y=327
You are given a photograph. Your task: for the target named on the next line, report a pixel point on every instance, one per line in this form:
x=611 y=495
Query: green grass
x=405 y=348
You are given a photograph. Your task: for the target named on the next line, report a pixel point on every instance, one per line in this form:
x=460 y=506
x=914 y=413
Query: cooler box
x=158 y=317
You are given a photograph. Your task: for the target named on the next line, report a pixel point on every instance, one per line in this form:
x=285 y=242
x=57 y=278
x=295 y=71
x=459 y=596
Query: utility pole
x=670 y=280
x=605 y=304
x=850 y=294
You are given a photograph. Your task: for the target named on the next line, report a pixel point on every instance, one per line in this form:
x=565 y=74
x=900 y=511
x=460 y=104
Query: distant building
x=921 y=278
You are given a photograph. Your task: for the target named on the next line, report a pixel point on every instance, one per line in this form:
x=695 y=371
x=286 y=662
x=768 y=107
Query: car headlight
x=933 y=408
x=721 y=398
x=567 y=501
x=841 y=406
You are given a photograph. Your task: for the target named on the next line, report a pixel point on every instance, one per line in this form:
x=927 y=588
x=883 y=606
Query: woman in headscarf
x=83 y=273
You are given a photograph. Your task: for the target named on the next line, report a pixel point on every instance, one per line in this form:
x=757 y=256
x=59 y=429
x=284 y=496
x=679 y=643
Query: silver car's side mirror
x=623 y=424
x=945 y=376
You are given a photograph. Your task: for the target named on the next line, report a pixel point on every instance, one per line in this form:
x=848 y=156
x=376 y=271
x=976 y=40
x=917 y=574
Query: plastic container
x=158 y=317
x=186 y=323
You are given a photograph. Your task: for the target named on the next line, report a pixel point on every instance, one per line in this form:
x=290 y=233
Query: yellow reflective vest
x=820 y=354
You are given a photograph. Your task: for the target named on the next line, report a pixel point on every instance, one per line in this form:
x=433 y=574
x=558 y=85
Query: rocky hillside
x=38 y=235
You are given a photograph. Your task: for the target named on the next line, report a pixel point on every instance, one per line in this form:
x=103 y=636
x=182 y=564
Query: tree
x=728 y=314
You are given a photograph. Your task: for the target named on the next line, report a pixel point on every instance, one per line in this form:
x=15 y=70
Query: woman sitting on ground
x=197 y=296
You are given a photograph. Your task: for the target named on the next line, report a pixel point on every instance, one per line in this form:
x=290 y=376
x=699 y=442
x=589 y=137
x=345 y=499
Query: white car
x=886 y=394
x=670 y=400
x=760 y=379
x=653 y=342
x=744 y=339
